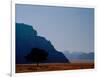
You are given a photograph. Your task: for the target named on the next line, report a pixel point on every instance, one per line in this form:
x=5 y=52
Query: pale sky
x=67 y=28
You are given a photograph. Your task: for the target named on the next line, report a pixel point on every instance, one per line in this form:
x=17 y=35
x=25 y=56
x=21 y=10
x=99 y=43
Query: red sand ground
x=21 y=68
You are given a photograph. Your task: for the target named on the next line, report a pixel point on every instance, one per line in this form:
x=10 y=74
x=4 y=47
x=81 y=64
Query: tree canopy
x=37 y=55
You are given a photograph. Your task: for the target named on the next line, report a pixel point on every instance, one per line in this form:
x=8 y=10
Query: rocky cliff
x=27 y=38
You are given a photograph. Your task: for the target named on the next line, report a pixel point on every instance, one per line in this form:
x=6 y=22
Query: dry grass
x=21 y=68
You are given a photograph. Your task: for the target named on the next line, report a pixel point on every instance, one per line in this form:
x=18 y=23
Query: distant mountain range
x=27 y=38
x=79 y=56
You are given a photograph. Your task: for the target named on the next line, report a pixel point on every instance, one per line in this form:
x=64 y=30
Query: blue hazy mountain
x=79 y=55
x=86 y=56
x=27 y=38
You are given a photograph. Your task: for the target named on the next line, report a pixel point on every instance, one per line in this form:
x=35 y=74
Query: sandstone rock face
x=27 y=38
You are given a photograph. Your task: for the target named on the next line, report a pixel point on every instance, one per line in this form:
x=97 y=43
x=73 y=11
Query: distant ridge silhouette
x=78 y=55
x=27 y=38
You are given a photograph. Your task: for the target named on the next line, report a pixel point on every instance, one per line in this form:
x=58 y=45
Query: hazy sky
x=67 y=28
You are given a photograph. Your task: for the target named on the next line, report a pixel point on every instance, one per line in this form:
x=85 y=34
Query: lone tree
x=37 y=55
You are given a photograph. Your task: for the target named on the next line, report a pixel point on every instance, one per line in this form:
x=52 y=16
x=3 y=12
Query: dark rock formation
x=27 y=38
